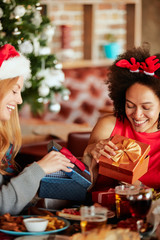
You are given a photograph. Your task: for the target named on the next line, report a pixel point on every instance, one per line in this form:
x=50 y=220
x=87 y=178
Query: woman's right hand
x=103 y=147
x=55 y=161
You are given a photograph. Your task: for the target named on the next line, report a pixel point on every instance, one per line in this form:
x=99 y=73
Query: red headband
x=148 y=67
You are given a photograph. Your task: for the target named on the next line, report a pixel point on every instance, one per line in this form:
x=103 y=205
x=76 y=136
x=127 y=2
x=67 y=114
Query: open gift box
x=66 y=185
x=60 y=186
x=130 y=162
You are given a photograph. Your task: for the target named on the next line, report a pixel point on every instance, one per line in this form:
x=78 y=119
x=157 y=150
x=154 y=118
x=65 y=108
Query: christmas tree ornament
x=65 y=94
x=51 y=77
x=36 y=45
x=19 y=20
x=65 y=97
x=19 y=11
x=26 y=47
x=1 y=27
x=43 y=90
x=16 y=31
x=44 y=51
x=38 y=7
x=19 y=41
x=1 y=12
x=55 y=107
x=37 y=19
x=57 y=75
x=58 y=66
x=40 y=100
x=7 y=1
x=55 y=61
x=48 y=33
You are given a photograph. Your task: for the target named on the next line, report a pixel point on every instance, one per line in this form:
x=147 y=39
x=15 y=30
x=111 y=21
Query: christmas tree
x=30 y=32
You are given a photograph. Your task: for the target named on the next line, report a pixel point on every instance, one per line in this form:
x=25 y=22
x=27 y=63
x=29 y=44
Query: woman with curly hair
x=134 y=87
x=18 y=188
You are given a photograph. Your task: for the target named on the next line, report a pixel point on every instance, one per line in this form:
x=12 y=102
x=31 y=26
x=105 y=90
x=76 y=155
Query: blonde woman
x=17 y=189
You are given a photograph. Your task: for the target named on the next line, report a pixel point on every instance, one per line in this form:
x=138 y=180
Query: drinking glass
x=92 y=217
x=140 y=200
x=122 y=202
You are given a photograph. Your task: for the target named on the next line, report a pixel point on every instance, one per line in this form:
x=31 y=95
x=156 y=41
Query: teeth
x=11 y=107
x=139 y=122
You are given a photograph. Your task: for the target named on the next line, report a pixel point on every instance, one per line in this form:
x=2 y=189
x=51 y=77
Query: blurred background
x=71 y=45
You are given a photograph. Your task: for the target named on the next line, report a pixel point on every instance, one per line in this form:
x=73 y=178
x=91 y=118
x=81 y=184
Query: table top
x=72 y=229
x=38 y=129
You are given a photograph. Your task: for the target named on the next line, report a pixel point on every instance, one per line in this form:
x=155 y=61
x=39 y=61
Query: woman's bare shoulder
x=104 y=127
x=107 y=119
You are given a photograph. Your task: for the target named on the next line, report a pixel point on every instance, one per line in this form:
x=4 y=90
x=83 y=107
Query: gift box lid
x=134 y=163
x=81 y=177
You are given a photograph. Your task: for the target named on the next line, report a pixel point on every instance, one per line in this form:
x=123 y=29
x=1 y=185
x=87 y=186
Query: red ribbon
x=73 y=159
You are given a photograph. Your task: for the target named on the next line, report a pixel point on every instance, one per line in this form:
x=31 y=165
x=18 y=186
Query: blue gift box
x=66 y=185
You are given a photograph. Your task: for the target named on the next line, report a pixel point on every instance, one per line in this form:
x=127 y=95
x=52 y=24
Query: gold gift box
x=130 y=162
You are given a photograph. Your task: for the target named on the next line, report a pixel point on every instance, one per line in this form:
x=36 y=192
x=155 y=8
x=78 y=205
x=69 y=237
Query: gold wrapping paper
x=127 y=151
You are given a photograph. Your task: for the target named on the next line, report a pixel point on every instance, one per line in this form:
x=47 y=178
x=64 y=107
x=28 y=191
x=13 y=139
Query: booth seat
x=77 y=142
x=35 y=151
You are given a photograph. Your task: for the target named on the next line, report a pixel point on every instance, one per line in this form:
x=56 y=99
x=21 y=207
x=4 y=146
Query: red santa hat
x=12 y=63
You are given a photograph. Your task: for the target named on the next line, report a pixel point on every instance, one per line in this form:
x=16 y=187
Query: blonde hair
x=10 y=132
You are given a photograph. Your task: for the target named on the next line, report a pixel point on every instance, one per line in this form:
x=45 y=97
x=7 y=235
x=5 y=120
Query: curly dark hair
x=120 y=79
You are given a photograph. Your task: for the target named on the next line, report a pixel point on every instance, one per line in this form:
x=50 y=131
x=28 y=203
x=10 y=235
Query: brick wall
x=87 y=85
x=109 y=18
x=89 y=94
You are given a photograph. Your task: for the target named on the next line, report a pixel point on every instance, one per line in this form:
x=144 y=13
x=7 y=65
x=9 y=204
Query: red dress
x=152 y=177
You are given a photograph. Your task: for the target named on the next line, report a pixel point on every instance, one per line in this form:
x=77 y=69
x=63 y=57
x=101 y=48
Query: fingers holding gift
x=109 y=149
x=55 y=161
x=103 y=147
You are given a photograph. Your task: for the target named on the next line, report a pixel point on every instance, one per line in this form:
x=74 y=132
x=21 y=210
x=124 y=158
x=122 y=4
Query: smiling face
x=10 y=100
x=142 y=108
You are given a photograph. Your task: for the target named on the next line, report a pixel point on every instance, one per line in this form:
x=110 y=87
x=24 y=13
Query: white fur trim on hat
x=14 y=67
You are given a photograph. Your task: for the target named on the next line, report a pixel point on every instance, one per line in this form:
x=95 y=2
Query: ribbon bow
x=127 y=151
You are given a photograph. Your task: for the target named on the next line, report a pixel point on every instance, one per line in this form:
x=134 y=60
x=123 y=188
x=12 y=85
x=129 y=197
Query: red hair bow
x=150 y=65
x=133 y=66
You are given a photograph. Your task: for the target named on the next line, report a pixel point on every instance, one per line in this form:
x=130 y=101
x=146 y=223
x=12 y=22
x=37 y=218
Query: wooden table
x=37 y=130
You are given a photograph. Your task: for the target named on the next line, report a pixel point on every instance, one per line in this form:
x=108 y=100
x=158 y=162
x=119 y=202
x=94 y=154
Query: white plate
x=68 y=216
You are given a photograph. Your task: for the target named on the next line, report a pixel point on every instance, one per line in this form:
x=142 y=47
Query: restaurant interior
x=79 y=31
